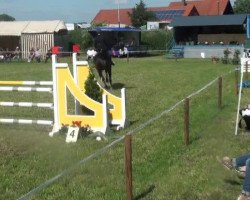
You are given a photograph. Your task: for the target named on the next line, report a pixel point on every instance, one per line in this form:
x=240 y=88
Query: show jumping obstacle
x=62 y=80
x=117 y=113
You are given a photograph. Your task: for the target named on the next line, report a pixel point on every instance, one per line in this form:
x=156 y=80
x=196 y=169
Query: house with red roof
x=206 y=7
x=115 y=17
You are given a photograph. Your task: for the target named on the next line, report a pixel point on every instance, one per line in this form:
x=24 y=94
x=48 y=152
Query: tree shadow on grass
x=145 y=193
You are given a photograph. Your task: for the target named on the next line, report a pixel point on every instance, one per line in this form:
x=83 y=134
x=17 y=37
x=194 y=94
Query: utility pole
x=118 y=13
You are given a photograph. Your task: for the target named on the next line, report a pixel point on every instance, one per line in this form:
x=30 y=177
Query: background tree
x=140 y=15
x=82 y=37
x=4 y=17
x=242 y=6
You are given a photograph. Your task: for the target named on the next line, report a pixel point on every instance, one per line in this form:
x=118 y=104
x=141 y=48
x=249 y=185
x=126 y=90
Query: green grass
x=163 y=167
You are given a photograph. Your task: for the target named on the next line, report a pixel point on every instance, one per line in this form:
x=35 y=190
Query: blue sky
x=66 y=10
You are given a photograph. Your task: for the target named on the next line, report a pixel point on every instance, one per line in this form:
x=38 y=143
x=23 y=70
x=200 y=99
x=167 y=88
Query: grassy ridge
x=163 y=168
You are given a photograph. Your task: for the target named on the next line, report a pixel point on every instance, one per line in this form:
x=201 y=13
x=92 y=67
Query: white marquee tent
x=32 y=34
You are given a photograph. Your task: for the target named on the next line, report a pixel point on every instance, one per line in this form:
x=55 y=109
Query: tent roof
x=16 y=28
x=219 y=20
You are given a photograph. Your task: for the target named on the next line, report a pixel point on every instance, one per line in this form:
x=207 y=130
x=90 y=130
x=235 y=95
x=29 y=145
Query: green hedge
x=157 y=39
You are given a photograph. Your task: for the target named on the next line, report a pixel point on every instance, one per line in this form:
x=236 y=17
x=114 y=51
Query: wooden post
x=128 y=166
x=128 y=57
x=236 y=82
x=186 y=121
x=220 y=92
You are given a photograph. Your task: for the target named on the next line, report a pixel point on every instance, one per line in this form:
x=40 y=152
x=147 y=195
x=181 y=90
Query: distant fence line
x=188 y=52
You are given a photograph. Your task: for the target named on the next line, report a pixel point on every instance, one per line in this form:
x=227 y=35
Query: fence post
x=220 y=92
x=128 y=166
x=186 y=121
x=236 y=82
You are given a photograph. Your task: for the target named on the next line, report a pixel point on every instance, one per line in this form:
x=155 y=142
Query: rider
x=102 y=48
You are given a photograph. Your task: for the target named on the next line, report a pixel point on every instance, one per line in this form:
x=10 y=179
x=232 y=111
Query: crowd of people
x=35 y=54
x=6 y=55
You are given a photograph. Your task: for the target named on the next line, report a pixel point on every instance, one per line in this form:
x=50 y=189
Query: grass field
x=163 y=167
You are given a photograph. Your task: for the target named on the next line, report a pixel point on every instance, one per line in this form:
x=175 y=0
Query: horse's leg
x=109 y=75
x=106 y=77
x=101 y=77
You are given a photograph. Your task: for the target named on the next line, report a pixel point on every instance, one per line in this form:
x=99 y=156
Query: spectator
x=1 y=54
x=17 y=54
x=31 y=54
x=38 y=55
x=48 y=55
x=240 y=163
x=7 y=55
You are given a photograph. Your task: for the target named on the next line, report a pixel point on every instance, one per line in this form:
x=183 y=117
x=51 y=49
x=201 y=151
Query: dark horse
x=102 y=64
